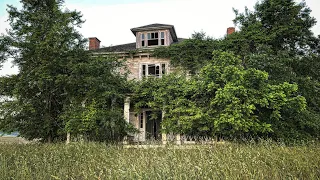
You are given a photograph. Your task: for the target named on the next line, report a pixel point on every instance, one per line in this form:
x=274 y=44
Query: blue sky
x=3 y=5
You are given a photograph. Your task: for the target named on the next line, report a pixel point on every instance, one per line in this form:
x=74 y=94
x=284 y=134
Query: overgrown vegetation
x=60 y=88
x=224 y=99
x=275 y=38
x=265 y=160
x=259 y=82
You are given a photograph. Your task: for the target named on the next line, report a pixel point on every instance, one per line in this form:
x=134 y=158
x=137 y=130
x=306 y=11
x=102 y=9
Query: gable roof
x=157 y=26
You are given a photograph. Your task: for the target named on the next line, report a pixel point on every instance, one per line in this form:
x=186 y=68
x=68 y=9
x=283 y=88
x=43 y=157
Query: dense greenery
x=221 y=161
x=276 y=38
x=224 y=99
x=261 y=81
x=60 y=86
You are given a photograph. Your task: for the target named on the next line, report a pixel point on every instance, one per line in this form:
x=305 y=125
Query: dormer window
x=142 y=40
x=153 y=35
x=162 y=38
x=153 y=39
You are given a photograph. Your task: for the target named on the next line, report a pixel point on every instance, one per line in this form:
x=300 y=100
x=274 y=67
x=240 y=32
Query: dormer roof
x=153 y=27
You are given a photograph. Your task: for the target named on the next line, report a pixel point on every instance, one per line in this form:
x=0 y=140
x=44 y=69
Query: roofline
x=170 y=27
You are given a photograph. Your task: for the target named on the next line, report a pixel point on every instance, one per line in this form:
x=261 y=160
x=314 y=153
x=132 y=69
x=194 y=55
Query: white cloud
x=112 y=23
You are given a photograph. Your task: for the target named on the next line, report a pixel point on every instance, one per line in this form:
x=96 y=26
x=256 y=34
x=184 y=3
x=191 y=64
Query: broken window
x=153 y=39
x=153 y=70
x=163 y=68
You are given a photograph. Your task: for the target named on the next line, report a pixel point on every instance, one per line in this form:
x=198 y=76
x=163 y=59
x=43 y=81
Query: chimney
x=230 y=30
x=94 y=43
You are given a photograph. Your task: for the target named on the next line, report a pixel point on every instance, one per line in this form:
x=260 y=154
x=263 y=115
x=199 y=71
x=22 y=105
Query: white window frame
x=146 y=38
x=160 y=65
x=143 y=39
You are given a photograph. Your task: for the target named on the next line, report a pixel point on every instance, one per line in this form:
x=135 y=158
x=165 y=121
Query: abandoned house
x=143 y=64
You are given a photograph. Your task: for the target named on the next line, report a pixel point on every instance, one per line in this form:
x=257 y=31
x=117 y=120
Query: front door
x=153 y=126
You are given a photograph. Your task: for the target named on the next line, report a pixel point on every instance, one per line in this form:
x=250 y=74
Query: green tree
x=57 y=76
x=275 y=37
x=190 y=54
x=224 y=99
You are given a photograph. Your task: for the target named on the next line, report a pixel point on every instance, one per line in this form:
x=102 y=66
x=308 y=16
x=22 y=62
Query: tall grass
x=99 y=161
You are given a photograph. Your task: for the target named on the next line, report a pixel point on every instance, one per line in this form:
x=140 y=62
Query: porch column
x=178 y=139
x=164 y=135
x=126 y=109
x=126 y=115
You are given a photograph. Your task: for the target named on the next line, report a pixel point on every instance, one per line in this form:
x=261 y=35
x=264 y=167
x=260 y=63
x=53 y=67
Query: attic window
x=162 y=38
x=142 y=40
x=153 y=39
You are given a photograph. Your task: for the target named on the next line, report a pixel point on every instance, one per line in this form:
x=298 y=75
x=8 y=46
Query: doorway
x=153 y=125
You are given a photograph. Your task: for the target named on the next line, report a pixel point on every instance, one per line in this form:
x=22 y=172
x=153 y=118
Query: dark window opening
x=163 y=68
x=153 y=39
x=143 y=70
x=151 y=70
x=162 y=41
x=153 y=42
x=142 y=43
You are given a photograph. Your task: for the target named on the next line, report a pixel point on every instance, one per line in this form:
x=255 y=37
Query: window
x=154 y=39
x=144 y=71
x=153 y=70
x=142 y=40
x=141 y=120
x=162 y=38
x=163 y=69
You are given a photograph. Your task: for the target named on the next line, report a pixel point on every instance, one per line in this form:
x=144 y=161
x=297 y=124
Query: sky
x=111 y=20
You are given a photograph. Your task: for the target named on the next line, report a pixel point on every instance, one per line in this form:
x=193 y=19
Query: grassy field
x=98 y=161
x=12 y=139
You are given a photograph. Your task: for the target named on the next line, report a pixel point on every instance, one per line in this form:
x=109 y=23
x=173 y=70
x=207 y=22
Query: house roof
x=157 y=26
x=125 y=47
x=117 y=48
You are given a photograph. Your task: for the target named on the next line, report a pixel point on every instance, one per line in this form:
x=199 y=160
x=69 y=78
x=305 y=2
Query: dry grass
x=12 y=139
x=265 y=160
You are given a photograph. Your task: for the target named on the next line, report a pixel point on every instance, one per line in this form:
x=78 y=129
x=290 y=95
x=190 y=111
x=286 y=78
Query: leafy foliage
x=225 y=99
x=58 y=78
x=275 y=37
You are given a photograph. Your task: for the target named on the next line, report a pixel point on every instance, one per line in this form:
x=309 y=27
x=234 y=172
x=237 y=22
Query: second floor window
x=153 y=70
